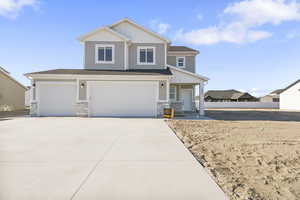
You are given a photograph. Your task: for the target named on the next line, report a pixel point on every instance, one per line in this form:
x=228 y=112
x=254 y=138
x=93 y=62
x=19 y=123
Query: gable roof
x=181 y=49
x=7 y=74
x=288 y=87
x=227 y=94
x=154 y=72
x=189 y=73
x=278 y=91
x=140 y=27
x=106 y=28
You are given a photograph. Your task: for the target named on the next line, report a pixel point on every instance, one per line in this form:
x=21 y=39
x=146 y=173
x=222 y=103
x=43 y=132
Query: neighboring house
x=12 y=93
x=228 y=96
x=272 y=97
x=27 y=97
x=290 y=97
x=128 y=71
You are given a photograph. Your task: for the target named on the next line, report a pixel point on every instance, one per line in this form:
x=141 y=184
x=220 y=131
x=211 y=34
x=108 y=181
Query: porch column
x=201 y=99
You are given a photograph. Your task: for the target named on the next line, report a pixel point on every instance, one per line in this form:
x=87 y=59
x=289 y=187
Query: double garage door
x=106 y=98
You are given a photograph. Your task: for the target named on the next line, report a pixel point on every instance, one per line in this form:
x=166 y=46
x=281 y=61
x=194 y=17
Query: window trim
x=177 y=58
x=112 y=55
x=138 y=55
x=175 y=93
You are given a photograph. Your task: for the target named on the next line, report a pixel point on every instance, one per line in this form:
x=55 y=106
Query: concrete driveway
x=93 y=158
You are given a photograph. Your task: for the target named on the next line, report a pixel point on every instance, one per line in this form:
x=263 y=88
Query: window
x=146 y=55
x=105 y=54
x=172 y=93
x=180 y=62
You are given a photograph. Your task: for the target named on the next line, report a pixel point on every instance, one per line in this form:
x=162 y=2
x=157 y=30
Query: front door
x=187 y=98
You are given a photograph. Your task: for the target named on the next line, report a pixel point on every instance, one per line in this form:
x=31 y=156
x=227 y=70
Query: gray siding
x=159 y=56
x=89 y=59
x=189 y=62
x=82 y=90
x=162 y=90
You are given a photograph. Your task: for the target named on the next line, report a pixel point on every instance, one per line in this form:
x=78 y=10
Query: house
x=272 y=97
x=12 y=93
x=128 y=71
x=228 y=96
x=290 y=97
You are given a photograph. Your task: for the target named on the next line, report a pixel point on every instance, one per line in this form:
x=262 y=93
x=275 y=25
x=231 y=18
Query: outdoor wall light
x=33 y=85
x=82 y=85
x=162 y=85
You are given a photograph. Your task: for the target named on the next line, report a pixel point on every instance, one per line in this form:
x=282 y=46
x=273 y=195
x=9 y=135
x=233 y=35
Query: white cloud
x=242 y=22
x=12 y=8
x=159 y=27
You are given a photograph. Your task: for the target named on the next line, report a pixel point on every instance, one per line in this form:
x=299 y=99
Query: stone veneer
x=177 y=105
x=82 y=109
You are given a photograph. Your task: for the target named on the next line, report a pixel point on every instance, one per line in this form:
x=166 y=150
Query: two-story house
x=128 y=71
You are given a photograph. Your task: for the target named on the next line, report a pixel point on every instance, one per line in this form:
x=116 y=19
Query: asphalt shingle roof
x=181 y=48
x=106 y=72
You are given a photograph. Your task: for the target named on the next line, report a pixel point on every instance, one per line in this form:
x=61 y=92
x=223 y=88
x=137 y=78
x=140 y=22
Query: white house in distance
x=290 y=97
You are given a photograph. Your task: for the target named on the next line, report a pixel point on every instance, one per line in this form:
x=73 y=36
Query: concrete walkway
x=92 y=158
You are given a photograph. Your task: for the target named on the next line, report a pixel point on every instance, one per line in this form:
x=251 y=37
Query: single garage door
x=56 y=98
x=123 y=98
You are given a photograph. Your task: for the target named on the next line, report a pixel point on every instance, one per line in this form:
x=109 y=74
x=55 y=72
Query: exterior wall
x=136 y=34
x=159 y=56
x=82 y=94
x=290 y=99
x=162 y=90
x=269 y=98
x=189 y=62
x=12 y=95
x=90 y=59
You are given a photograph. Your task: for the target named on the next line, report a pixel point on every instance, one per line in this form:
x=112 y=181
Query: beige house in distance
x=12 y=93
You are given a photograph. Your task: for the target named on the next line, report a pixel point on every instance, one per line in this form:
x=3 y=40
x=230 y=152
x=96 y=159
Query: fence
x=267 y=105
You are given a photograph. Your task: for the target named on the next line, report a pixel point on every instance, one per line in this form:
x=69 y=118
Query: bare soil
x=253 y=155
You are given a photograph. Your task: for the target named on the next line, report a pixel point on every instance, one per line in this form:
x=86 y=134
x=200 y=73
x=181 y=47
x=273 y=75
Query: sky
x=248 y=45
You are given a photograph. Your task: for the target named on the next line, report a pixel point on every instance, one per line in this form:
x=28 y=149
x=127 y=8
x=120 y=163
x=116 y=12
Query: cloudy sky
x=250 y=45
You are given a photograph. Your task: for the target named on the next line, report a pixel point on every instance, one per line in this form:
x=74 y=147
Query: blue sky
x=248 y=45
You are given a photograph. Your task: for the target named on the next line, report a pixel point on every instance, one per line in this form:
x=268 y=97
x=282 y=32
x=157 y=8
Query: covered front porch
x=182 y=89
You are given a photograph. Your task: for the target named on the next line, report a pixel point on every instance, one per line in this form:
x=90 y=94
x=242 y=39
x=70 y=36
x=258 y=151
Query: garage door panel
x=121 y=98
x=57 y=99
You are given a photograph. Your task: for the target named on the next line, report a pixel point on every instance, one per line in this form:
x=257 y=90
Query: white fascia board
x=98 y=77
x=140 y=27
x=189 y=73
x=85 y=36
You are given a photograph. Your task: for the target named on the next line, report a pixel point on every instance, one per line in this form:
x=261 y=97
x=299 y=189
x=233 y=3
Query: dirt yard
x=253 y=154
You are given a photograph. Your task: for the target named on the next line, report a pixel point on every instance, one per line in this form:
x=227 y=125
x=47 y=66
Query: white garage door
x=123 y=98
x=57 y=98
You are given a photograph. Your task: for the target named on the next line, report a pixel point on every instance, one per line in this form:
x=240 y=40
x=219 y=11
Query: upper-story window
x=105 y=53
x=146 y=55
x=180 y=62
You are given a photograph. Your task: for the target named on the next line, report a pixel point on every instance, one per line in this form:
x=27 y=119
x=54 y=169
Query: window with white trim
x=105 y=53
x=172 y=93
x=180 y=62
x=146 y=55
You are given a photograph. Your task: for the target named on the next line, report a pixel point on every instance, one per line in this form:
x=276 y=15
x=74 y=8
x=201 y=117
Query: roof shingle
x=164 y=72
